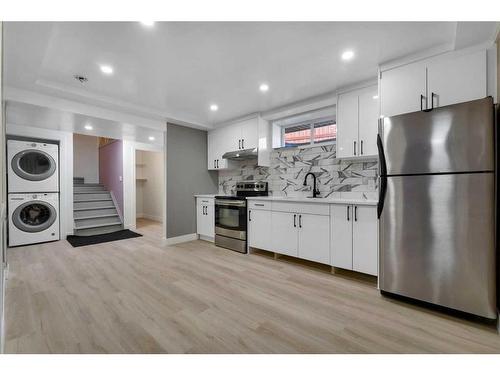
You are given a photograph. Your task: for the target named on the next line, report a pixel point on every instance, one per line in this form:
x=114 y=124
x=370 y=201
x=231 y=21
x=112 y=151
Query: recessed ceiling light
x=148 y=23
x=347 y=55
x=106 y=69
x=214 y=107
x=264 y=87
x=375 y=97
x=151 y=138
x=88 y=127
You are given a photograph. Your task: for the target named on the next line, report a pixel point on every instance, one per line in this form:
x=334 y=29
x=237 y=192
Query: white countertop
x=330 y=200
x=360 y=201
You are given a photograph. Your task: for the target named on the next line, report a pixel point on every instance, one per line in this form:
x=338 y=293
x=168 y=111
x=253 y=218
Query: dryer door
x=34 y=216
x=33 y=165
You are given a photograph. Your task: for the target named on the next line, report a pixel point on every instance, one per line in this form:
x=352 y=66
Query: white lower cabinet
x=314 y=238
x=364 y=240
x=205 y=217
x=354 y=238
x=341 y=235
x=284 y=233
x=259 y=229
x=301 y=235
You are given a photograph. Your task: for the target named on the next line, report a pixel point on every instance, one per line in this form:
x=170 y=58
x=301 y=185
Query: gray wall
x=187 y=174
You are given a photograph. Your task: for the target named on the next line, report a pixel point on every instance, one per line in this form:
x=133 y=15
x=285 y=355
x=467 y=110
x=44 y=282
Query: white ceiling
x=175 y=70
x=32 y=115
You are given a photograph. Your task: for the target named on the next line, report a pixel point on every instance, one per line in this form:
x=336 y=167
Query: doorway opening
x=97 y=185
x=149 y=178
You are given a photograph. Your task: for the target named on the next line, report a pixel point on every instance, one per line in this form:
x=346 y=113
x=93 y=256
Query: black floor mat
x=77 y=241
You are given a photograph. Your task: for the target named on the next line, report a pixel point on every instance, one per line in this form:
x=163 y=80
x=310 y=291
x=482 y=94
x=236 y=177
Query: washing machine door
x=34 y=216
x=33 y=165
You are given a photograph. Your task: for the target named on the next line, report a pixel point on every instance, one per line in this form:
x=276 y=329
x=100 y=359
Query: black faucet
x=315 y=191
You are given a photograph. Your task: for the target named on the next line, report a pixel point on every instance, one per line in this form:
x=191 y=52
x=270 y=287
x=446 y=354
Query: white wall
x=3 y=254
x=149 y=166
x=86 y=157
x=139 y=193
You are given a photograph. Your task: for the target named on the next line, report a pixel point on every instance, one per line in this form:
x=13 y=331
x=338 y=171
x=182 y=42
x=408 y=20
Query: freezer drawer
x=437 y=240
x=454 y=138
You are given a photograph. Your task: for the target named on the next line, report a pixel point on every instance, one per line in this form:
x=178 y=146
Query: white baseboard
x=206 y=238
x=180 y=239
x=149 y=217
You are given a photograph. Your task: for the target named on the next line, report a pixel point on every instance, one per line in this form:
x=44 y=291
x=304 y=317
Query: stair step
x=83 y=189
x=92 y=200
x=92 y=208
x=92 y=204
x=95 y=216
x=98 y=225
x=98 y=230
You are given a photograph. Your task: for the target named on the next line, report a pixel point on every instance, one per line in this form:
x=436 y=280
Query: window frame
x=311 y=141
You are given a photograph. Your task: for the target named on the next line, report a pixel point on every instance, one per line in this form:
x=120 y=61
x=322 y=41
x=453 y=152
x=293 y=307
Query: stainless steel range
x=231 y=215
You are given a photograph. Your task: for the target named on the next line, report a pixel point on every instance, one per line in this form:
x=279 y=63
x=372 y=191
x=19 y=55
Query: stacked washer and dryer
x=33 y=191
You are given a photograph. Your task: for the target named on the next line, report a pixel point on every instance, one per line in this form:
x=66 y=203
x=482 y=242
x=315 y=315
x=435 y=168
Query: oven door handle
x=230 y=203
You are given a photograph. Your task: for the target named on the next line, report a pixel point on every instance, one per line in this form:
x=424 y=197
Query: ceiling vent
x=81 y=79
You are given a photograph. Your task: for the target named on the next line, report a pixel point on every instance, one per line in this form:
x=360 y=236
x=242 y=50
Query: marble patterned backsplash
x=285 y=176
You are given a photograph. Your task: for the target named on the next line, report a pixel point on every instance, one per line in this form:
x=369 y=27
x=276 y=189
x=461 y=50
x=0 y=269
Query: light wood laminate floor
x=139 y=296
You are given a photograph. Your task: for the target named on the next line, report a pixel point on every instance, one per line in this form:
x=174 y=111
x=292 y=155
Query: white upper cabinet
x=458 y=79
x=357 y=122
x=237 y=136
x=347 y=124
x=401 y=89
x=216 y=143
x=249 y=133
x=435 y=82
x=368 y=121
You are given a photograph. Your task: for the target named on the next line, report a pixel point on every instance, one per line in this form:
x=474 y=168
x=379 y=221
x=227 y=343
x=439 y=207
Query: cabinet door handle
x=239 y=144
x=354 y=147
x=348 y=211
x=249 y=215
x=432 y=100
x=300 y=221
x=355 y=213
x=242 y=144
x=214 y=164
x=295 y=221
x=259 y=204
x=217 y=163
x=361 y=147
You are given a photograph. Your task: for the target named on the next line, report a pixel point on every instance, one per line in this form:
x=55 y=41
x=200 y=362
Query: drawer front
x=259 y=205
x=205 y=201
x=302 y=208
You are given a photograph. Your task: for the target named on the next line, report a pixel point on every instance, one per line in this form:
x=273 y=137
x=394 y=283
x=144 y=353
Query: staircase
x=94 y=210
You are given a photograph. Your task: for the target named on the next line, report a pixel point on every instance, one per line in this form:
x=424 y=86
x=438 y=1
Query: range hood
x=250 y=153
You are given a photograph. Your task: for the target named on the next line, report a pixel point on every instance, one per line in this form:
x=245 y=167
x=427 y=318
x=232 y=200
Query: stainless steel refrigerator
x=437 y=206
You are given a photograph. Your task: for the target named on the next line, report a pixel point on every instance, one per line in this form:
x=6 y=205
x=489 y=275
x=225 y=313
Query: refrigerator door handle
x=383 y=176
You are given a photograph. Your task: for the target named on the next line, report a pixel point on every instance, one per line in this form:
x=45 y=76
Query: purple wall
x=111 y=170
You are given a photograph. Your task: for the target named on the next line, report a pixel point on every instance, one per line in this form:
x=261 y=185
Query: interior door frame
x=129 y=182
